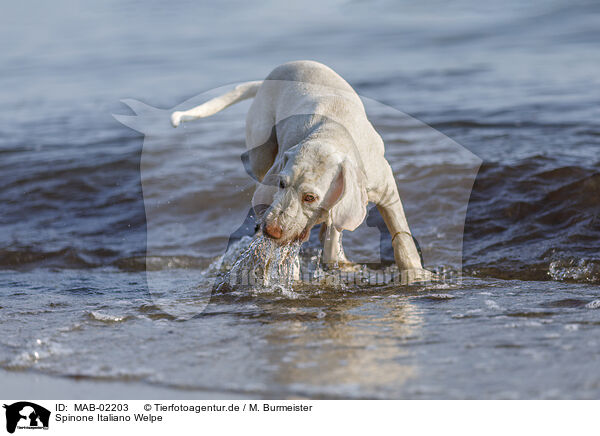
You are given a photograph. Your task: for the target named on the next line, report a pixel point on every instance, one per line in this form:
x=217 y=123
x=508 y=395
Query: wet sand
x=18 y=385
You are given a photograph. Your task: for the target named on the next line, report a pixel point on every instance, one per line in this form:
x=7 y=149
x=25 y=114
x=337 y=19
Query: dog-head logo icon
x=26 y=415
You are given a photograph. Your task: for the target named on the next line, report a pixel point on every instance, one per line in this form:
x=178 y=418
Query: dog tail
x=241 y=92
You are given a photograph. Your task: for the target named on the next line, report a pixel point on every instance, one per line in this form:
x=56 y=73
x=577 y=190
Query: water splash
x=265 y=265
x=581 y=270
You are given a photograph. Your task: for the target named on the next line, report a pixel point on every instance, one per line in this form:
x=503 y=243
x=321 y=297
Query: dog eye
x=309 y=198
x=281 y=184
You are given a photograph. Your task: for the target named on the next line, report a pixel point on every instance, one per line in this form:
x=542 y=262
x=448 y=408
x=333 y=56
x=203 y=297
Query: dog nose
x=273 y=230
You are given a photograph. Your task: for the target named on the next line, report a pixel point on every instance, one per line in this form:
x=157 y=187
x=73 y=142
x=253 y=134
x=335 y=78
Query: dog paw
x=417 y=275
x=345 y=266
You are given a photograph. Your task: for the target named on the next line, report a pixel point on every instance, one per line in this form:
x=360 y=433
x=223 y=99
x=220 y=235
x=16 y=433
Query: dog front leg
x=333 y=252
x=405 y=251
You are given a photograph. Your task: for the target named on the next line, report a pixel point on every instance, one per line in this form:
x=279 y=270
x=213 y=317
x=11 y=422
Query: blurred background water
x=516 y=84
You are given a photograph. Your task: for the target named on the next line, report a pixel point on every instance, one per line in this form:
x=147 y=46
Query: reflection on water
x=354 y=348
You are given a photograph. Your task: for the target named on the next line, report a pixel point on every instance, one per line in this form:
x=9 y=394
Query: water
x=515 y=84
x=270 y=265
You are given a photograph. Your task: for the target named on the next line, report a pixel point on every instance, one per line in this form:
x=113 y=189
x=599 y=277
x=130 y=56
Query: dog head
x=309 y=184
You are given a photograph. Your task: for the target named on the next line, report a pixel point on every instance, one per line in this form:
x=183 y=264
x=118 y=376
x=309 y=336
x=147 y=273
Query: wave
x=534 y=220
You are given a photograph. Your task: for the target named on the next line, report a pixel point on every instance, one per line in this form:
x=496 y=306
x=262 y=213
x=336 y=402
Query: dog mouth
x=301 y=237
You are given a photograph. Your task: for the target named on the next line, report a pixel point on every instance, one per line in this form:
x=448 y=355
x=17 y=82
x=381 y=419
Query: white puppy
x=318 y=160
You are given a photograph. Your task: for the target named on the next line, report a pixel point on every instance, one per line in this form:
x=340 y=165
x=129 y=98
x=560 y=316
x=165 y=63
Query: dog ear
x=348 y=195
